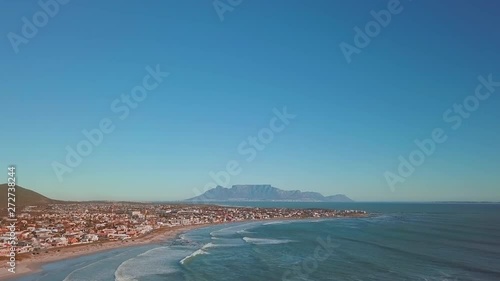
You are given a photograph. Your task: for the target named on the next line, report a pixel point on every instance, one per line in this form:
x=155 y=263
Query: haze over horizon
x=230 y=80
x=204 y=201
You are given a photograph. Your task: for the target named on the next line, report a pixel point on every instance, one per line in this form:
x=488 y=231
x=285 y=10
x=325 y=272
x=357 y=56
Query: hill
x=24 y=197
x=264 y=193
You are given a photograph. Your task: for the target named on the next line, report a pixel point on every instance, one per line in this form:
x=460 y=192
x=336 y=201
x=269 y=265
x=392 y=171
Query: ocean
x=396 y=242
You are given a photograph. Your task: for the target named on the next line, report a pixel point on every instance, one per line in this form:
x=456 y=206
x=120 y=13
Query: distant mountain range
x=24 y=197
x=264 y=192
x=27 y=197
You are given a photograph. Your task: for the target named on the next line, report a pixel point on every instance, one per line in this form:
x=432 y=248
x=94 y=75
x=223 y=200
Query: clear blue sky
x=353 y=119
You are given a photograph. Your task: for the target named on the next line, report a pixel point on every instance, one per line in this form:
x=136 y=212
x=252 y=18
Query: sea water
x=396 y=242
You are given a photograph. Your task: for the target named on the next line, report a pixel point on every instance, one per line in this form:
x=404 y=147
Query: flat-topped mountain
x=24 y=197
x=264 y=192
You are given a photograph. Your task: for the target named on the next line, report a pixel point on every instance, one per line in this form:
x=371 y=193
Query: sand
x=28 y=264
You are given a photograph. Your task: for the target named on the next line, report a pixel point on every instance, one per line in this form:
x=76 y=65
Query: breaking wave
x=196 y=253
x=262 y=241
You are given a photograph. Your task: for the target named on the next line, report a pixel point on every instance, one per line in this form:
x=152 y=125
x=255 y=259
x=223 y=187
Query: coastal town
x=53 y=226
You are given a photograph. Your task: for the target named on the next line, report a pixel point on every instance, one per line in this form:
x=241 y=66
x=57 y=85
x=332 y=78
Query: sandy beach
x=28 y=263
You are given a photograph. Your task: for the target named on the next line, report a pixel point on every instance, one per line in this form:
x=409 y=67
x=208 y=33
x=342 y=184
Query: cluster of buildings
x=60 y=225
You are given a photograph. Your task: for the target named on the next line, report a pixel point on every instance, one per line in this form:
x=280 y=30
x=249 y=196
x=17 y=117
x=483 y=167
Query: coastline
x=29 y=264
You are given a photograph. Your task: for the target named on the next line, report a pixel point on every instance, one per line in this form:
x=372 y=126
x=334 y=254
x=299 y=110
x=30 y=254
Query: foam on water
x=319 y=220
x=196 y=253
x=99 y=272
x=152 y=262
x=209 y=245
x=393 y=246
x=204 y=250
x=262 y=241
x=225 y=243
x=244 y=232
x=228 y=231
x=277 y=222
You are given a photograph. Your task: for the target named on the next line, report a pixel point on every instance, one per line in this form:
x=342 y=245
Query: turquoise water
x=398 y=242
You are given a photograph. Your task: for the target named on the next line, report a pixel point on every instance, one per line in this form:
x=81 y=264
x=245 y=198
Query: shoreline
x=30 y=264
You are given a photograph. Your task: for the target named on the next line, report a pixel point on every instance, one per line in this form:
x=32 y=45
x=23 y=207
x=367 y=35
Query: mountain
x=24 y=197
x=264 y=193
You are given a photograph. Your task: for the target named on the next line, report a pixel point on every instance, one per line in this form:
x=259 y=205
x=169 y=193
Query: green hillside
x=24 y=197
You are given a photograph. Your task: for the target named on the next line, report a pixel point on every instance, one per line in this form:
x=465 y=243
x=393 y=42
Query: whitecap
x=234 y=229
x=160 y=260
x=244 y=232
x=75 y=274
x=196 y=253
x=274 y=222
x=262 y=241
x=209 y=245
